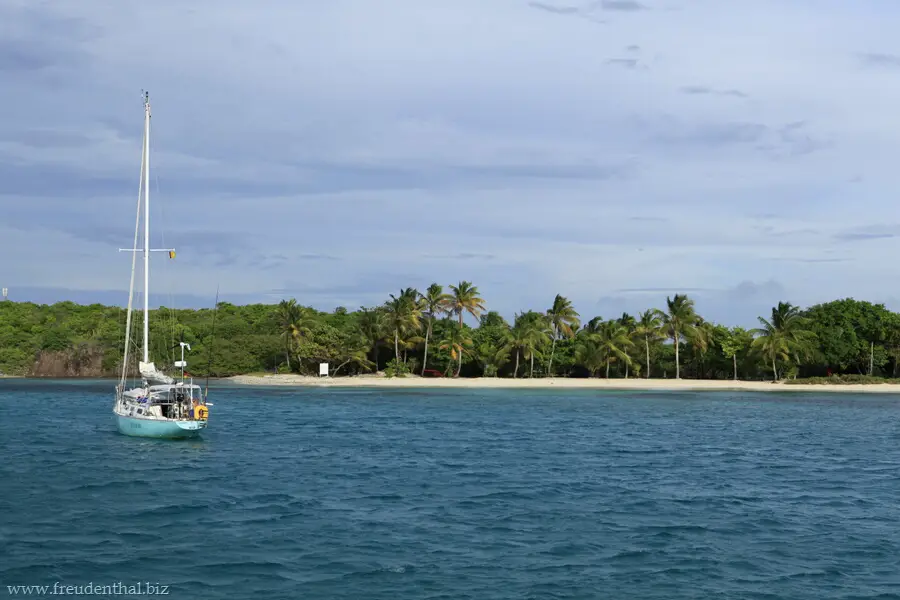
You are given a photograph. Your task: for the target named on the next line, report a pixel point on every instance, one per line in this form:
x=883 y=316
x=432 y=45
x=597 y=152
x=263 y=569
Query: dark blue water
x=491 y=494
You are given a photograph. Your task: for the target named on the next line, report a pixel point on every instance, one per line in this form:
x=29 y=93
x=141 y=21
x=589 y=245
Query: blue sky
x=615 y=152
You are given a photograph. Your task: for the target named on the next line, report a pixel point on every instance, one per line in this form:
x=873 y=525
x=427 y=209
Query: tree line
x=426 y=333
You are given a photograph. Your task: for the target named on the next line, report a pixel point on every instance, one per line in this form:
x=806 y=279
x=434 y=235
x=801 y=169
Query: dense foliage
x=426 y=333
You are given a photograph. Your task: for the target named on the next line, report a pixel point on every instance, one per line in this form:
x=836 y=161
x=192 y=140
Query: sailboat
x=160 y=407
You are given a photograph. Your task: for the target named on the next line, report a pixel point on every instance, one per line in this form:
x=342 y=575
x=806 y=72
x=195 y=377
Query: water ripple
x=445 y=494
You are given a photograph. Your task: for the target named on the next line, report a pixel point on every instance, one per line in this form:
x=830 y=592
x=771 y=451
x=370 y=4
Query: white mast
x=146 y=227
x=147 y=369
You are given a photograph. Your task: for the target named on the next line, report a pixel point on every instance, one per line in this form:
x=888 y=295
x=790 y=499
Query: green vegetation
x=845 y=341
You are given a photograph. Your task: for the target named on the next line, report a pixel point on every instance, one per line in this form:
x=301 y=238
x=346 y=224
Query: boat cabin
x=173 y=401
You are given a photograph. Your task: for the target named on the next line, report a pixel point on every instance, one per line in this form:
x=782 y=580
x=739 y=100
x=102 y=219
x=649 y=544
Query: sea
x=392 y=494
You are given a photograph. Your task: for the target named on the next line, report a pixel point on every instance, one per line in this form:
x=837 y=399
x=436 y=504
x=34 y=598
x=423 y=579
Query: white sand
x=556 y=383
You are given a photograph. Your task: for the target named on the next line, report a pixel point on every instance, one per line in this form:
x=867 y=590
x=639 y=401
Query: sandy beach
x=556 y=383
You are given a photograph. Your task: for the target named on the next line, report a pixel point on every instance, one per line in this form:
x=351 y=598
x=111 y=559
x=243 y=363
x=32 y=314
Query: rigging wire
x=211 y=341
x=171 y=320
x=137 y=221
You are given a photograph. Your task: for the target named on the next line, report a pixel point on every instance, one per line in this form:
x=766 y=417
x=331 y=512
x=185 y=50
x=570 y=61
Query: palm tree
x=589 y=354
x=396 y=314
x=516 y=342
x=536 y=332
x=492 y=357
x=287 y=314
x=295 y=321
x=702 y=338
x=412 y=294
x=614 y=342
x=563 y=322
x=785 y=336
x=465 y=299
x=593 y=326
x=630 y=325
x=409 y=340
x=456 y=341
x=373 y=325
x=416 y=307
x=434 y=303
x=529 y=331
x=404 y=315
x=306 y=320
x=678 y=322
x=647 y=328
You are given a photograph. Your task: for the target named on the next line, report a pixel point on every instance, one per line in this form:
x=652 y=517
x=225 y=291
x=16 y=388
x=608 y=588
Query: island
x=446 y=337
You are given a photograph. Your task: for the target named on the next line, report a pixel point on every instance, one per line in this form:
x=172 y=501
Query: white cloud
x=338 y=148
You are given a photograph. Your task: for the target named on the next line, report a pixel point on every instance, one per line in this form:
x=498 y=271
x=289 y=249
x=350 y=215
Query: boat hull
x=157 y=428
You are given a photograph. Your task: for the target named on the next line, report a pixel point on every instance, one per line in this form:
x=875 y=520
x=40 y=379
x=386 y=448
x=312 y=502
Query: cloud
x=659 y=290
x=796 y=139
x=649 y=219
x=23 y=58
x=267 y=262
x=701 y=90
x=315 y=257
x=559 y=10
x=622 y=5
x=628 y=63
x=714 y=134
x=466 y=256
x=810 y=260
x=773 y=141
x=583 y=12
x=42 y=49
x=875 y=59
x=537 y=158
x=863 y=236
x=869 y=232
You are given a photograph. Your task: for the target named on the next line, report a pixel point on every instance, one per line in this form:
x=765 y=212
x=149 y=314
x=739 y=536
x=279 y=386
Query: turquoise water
x=390 y=494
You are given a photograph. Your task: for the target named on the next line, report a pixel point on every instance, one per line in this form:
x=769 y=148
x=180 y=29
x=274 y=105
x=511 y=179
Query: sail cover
x=153 y=377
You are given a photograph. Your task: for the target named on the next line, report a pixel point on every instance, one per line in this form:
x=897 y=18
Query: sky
x=615 y=152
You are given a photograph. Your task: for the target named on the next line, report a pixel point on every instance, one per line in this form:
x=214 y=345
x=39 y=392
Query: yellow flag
x=171 y=254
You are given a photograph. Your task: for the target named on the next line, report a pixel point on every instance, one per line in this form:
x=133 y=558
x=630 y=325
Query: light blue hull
x=153 y=428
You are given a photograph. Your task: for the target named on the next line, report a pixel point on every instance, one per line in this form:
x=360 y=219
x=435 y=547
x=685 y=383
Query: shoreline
x=662 y=385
